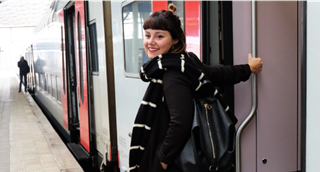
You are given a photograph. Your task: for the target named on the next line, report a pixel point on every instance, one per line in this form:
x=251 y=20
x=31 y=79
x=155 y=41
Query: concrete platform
x=28 y=143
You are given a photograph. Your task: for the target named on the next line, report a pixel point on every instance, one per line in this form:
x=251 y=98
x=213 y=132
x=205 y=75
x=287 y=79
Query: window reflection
x=134 y=15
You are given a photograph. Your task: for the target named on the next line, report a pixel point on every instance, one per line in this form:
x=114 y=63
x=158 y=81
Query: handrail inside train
x=253 y=91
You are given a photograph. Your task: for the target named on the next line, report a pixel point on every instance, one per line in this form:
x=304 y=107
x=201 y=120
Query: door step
x=78 y=151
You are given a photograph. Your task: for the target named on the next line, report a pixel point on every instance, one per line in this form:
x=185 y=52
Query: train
x=86 y=55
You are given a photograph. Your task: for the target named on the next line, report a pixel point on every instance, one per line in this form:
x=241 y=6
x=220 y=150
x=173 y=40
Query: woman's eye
x=160 y=36
x=147 y=36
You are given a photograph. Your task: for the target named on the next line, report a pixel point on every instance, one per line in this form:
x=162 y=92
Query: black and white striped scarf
x=152 y=72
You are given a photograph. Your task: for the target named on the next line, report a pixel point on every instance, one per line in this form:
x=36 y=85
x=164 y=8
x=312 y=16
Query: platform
x=28 y=143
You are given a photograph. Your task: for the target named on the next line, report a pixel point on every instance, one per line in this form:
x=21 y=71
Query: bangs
x=157 y=21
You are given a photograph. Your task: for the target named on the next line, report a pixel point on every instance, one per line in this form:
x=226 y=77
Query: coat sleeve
x=221 y=75
x=178 y=95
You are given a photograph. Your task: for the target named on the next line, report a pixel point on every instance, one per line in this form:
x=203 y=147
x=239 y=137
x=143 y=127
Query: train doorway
x=76 y=69
x=217 y=39
x=76 y=80
x=73 y=106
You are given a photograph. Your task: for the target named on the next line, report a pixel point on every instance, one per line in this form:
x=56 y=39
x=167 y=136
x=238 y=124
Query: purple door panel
x=277 y=86
x=273 y=135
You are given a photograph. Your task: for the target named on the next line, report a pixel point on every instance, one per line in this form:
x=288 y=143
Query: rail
x=254 y=90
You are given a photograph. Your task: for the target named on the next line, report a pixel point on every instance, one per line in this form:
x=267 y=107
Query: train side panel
x=129 y=90
x=313 y=85
x=47 y=67
x=98 y=72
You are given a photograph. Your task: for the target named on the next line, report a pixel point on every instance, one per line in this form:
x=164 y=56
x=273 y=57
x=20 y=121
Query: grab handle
x=254 y=90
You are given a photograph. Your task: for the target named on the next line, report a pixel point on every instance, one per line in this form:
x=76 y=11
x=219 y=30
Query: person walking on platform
x=23 y=71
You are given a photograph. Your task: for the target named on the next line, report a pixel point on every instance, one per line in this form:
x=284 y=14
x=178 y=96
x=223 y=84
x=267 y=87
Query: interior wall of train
x=313 y=85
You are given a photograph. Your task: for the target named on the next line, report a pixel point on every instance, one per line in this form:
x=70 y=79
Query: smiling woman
x=175 y=79
x=157 y=42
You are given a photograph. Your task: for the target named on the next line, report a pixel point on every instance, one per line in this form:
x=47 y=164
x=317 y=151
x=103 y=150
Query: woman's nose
x=151 y=40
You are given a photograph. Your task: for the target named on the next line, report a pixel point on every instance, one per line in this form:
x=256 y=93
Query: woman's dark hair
x=167 y=20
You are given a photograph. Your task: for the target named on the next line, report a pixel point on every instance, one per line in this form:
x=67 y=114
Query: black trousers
x=24 y=77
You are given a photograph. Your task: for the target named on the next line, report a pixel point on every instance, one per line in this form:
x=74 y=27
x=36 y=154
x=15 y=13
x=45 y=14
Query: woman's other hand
x=254 y=63
x=164 y=166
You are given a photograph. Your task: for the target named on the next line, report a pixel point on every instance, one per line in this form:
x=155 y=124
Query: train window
x=180 y=11
x=94 y=49
x=133 y=17
x=37 y=79
x=43 y=82
x=54 y=85
x=80 y=56
x=58 y=87
x=49 y=88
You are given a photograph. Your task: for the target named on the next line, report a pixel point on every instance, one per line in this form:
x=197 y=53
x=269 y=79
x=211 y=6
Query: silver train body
x=87 y=54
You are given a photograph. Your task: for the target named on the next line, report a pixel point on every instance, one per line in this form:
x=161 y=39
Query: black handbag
x=211 y=146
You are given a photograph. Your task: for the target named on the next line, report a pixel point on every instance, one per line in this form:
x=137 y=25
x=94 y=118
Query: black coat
x=173 y=120
x=23 y=66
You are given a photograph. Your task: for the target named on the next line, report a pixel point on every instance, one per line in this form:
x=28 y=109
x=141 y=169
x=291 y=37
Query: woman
x=163 y=123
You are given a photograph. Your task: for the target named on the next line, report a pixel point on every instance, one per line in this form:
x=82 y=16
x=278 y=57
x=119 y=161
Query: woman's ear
x=175 y=41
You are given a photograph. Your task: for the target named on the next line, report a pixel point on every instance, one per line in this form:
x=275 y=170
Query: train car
x=72 y=79
x=87 y=57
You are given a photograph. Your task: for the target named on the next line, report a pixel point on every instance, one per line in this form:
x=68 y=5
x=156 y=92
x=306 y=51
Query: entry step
x=78 y=151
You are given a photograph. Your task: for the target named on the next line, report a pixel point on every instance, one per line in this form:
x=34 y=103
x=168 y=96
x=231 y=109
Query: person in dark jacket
x=164 y=119
x=23 y=71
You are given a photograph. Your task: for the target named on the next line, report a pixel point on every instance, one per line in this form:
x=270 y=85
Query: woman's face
x=157 y=42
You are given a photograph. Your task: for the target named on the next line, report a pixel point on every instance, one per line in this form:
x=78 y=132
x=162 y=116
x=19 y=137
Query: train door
x=80 y=35
x=76 y=65
x=270 y=142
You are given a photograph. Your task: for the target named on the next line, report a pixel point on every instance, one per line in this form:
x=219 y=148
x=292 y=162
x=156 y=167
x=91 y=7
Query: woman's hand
x=254 y=63
x=164 y=166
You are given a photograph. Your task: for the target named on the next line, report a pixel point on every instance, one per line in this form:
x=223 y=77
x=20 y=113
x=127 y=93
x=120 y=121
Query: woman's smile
x=152 y=50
